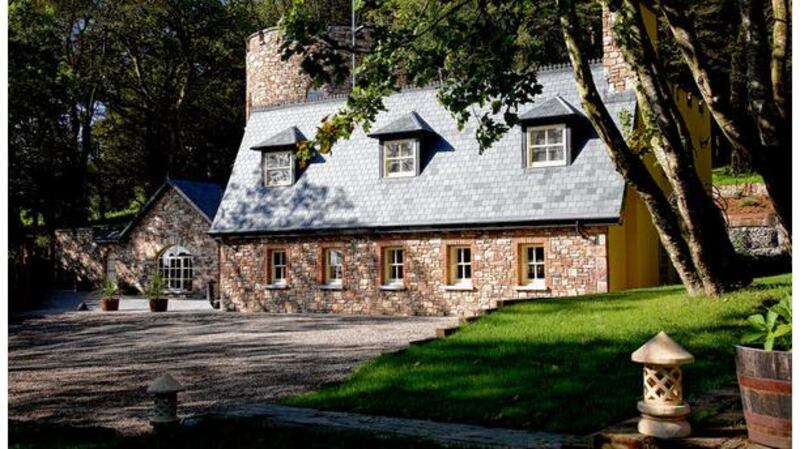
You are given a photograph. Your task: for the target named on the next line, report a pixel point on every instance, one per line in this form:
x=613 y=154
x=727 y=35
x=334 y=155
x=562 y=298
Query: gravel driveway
x=92 y=369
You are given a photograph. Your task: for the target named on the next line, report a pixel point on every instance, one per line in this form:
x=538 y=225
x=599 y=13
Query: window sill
x=392 y=288
x=459 y=288
x=331 y=287
x=531 y=288
x=277 y=287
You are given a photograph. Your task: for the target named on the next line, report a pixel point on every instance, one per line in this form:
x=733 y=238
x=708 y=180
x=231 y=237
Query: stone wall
x=79 y=256
x=272 y=81
x=618 y=72
x=170 y=221
x=575 y=264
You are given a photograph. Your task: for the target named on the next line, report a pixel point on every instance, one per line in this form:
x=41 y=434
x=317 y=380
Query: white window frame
x=266 y=169
x=275 y=266
x=176 y=260
x=459 y=265
x=392 y=266
x=331 y=268
x=385 y=159
x=528 y=263
x=530 y=146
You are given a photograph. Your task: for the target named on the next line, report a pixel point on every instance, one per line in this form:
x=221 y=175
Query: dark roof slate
x=406 y=124
x=289 y=137
x=553 y=108
x=457 y=185
x=205 y=197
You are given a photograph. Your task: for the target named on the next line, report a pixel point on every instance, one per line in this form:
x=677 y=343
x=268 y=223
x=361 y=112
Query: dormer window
x=400 y=158
x=547 y=133
x=277 y=157
x=547 y=146
x=278 y=168
x=400 y=143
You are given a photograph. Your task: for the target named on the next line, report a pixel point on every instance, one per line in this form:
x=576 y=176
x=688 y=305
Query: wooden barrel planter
x=765 y=384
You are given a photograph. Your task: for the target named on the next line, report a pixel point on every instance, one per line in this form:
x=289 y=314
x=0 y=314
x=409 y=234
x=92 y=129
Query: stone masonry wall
x=575 y=264
x=271 y=81
x=618 y=72
x=78 y=254
x=170 y=221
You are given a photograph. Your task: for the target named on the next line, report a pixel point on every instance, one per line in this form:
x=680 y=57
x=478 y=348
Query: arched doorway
x=176 y=265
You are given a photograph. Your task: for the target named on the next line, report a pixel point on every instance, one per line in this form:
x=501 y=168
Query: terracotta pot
x=765 y=383
x=158 y=304
x=109 y=304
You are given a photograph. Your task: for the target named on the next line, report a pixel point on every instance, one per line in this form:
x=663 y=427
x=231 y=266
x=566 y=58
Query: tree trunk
x=712 y=252
x=733 y=119
x=627 y=163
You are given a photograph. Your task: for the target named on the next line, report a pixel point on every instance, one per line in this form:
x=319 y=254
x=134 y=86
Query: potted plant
x=153 y=292
x=109 y=302
x=765 y=375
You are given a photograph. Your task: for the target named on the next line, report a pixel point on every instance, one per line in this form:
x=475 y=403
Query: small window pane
x=539 y=138
x=556 y=153
x=539 y=271
x=539 y=253
x=539 y=154
x=555 y=135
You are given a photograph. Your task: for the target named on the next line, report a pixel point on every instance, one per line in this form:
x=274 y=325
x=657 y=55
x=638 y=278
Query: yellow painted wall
x=634 y=246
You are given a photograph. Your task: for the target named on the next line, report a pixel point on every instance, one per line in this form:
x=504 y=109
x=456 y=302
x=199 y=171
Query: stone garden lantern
x=165 y=400
x=663 y=411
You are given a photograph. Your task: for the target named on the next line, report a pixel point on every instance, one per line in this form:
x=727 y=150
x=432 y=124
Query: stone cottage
x=410 y=219
x=168 y=235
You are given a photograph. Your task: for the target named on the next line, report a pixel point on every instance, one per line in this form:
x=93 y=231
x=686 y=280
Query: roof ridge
x=407 y=88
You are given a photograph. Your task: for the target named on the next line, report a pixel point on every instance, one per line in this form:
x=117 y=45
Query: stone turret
x=618 y=72
x=272 y=81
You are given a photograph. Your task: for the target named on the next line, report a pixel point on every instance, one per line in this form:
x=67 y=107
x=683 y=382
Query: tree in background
x=108 y=97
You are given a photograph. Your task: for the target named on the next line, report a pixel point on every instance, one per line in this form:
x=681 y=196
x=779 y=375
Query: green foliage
x=723 y=176
x=110 y=288
x=155 y=287
x=483 y=54
x=773 y=328
x=541 y=364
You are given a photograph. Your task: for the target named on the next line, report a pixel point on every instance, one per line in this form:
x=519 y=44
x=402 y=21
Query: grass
x=214 y=434
x=723 y=177
x=559 y=365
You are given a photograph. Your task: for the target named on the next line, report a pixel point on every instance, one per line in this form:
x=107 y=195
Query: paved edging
x=445 y=434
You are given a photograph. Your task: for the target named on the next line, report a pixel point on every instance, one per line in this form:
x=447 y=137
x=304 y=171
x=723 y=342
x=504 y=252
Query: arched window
x=177 y=268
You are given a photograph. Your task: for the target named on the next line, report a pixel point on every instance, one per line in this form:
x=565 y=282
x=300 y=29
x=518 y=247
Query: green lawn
x=722 y=177
x=557 y=365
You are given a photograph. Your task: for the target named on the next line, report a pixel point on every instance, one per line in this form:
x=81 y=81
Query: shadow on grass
x=559 y=365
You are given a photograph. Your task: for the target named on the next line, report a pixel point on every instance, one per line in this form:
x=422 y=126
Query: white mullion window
x=461 y=265
x=394 y=266
x=547 y=146
x=334 y=262
x=534 y=267
x=278 y=267
x=399 y=158
x=176 y=268
x=278 y=168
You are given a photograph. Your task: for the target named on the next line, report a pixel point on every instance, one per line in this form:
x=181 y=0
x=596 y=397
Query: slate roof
x=289 y=137
x=205 y=197
x=556 y=107
x=456 y=187
x=406 y=124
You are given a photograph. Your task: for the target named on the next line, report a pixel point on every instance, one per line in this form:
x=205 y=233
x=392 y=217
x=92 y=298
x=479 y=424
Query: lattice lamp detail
x=165 y=400
x=663 y=410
